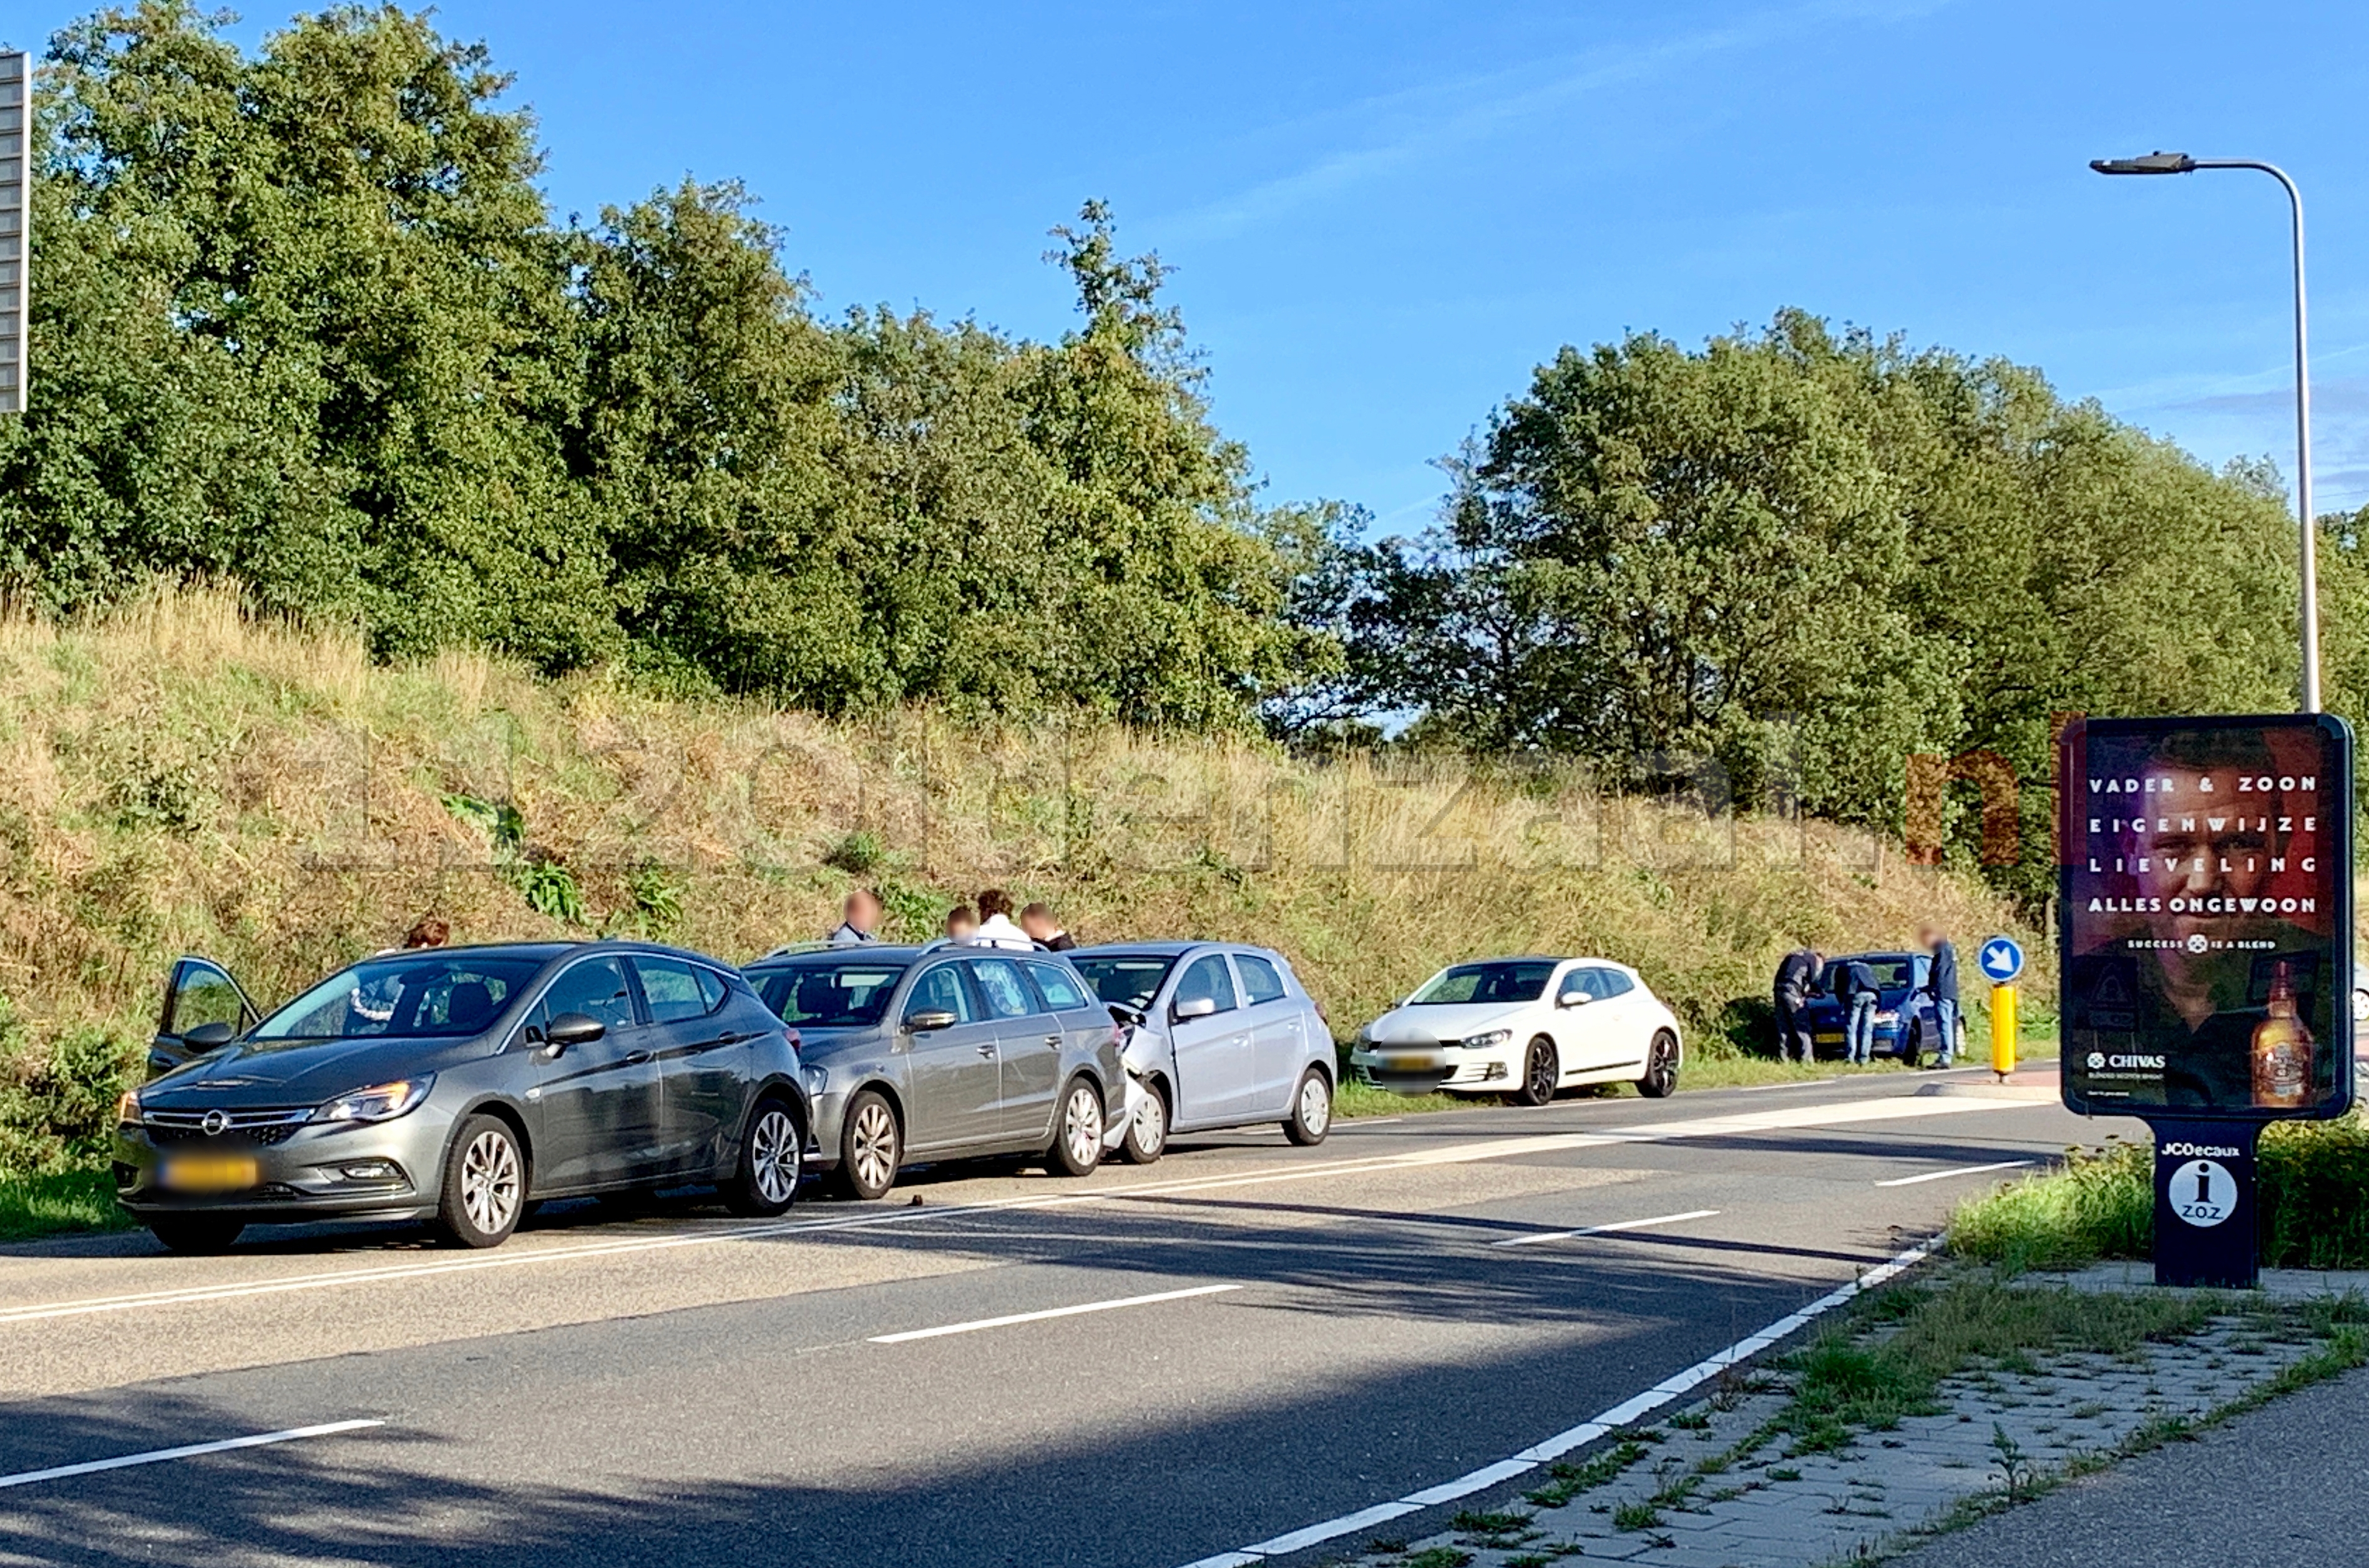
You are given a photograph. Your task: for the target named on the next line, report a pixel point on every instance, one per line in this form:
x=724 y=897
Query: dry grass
x=181 y=777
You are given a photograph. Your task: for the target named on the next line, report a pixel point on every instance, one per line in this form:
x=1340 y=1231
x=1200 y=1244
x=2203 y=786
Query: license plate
x=1411 y=1061
x=1829 y=1039
x=208 y=1172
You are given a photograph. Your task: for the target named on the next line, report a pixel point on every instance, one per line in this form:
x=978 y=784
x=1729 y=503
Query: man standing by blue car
x=1856 y=988
x=1941 y=985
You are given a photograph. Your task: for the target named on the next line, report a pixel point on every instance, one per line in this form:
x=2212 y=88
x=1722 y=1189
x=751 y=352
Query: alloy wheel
x=773 y=1155
x=1543 y=1074
x=875 y=1145
x=1082 y=1125
x=1661 y=1069
x=489 y=1182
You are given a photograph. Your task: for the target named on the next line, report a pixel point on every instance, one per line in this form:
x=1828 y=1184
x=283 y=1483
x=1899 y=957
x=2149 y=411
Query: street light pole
x=2181 y=162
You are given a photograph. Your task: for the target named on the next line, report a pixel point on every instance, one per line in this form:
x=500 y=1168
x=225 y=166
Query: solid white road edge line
x=1834 y=1114
x=1007 y=1321
x=1562 y=1443
x=158 y=1456
x=1534 y=1240
x=1959 y=1171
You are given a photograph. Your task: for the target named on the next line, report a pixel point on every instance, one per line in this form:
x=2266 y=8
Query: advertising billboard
x=2206 y=881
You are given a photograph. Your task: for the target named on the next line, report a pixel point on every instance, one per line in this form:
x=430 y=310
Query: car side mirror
x=571 y=1029
x=2361 y=1004
x=1193 y=1007
x=1573 y=999
x=930 y=1019
x=209 y=1036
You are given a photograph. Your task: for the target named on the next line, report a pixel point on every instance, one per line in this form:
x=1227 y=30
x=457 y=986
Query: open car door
x=201 y=998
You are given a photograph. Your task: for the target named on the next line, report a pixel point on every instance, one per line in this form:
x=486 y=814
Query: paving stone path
x=1707 y=1489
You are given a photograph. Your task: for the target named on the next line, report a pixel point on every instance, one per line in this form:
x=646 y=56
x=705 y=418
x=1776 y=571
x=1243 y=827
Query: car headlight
x=377 y=1103
x=1486 y=1038
x=816 y=1077
x=1892 y=1016
x=127 y=1109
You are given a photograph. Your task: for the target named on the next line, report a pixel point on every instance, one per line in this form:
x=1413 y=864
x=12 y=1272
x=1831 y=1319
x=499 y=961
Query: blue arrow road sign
x=2002 y=959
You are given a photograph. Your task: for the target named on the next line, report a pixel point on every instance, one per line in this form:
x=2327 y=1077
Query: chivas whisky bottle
x=2282 y=1050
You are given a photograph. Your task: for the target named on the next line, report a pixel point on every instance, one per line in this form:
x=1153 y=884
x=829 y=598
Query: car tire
x=1147 y=1135
x=484 y=1193
x=1661 y=1067
x=1541 y=1072
x=1077 y=1130
x=198 y=1235
x=871 y=1147
x=1913 y=1049
x=773 y=1158
x=1311 y=1109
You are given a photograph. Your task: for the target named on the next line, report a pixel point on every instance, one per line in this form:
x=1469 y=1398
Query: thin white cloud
x=1395 y=129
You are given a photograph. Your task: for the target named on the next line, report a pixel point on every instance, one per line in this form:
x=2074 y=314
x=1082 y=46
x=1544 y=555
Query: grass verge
x=2313 y=1193
x=48 y=1206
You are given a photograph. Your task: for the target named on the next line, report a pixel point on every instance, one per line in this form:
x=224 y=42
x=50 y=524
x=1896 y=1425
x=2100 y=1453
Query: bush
x=2102 y=1205
x=57 y=1111
x=2313 y=1195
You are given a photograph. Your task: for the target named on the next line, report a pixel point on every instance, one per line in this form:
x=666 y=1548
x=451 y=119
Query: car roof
x=1886 y=953
x=1165 y=949
x=1542 y=958
x=903 y=952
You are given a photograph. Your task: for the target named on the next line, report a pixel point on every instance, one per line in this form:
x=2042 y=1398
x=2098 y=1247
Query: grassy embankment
x=179 y=778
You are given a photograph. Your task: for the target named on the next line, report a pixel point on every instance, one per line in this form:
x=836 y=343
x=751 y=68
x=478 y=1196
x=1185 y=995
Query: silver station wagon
x=1228 y=1037
x=946 y=1051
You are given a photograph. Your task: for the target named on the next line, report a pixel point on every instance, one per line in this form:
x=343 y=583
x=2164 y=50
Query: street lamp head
x=2154 y=163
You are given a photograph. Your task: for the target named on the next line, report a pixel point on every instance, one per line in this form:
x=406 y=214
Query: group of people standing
x=1804 y=973
x=991 y=924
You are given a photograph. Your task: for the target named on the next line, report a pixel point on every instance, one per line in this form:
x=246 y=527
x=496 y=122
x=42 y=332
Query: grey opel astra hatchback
x=947 y=1051
x=460 y=1084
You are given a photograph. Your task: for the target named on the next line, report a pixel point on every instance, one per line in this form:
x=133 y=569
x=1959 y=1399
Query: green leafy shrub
x=2099 y=1205
x=57 y=1107
x=858 y=854
x=653 y=903
x=2313 y=1192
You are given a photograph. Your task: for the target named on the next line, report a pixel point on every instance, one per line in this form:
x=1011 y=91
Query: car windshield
x=1891 y=974
x=441 y=994
x=1514 y=979
x=1123 y=979
x=828 y=991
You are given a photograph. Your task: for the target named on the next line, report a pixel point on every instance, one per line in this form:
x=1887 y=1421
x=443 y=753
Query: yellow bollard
x=2003 y=1030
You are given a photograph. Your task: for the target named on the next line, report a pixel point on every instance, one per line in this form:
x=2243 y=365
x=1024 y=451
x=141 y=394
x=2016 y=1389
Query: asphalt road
x=1335 y=1327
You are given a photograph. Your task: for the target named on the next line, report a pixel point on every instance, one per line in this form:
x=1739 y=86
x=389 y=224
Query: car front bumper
x=320 y=1170
x=1430 y=1070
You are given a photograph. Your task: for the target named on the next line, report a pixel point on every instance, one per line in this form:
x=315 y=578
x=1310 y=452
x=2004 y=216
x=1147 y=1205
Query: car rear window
x=1125 y=980
x=829 y=993
x=1061 y=992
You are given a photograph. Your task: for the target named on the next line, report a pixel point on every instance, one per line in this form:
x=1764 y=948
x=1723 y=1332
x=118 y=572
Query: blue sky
x=1384 y=214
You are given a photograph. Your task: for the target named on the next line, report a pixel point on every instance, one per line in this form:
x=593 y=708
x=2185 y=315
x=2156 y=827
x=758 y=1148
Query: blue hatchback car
x=1904 y=1024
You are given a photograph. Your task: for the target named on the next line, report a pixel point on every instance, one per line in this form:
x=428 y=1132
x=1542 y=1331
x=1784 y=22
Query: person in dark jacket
x=1037 y=921
x=1856 y=988
x=1797 y=978
x=1941 y=985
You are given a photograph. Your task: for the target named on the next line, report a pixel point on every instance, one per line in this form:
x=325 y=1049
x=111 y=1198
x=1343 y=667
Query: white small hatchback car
x=1524 y=1027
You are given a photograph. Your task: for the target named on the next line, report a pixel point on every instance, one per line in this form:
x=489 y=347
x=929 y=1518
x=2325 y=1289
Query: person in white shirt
x=995 y=924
